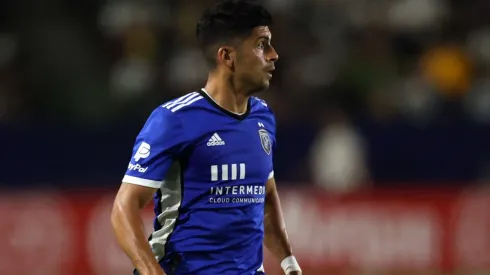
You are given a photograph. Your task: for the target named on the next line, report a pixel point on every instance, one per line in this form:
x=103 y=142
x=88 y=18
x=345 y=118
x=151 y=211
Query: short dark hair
x=226 y=21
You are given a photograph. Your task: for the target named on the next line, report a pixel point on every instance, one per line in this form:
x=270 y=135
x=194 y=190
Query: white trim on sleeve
x=271 y=174
x=142 y=182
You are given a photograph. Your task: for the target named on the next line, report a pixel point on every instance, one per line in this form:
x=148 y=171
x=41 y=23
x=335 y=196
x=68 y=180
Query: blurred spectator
x=338 y=156
x=448 y=68
x=417 y=15
x=405 y=73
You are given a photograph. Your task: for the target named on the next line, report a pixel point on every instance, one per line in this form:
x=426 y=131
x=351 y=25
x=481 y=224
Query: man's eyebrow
x=265 y=37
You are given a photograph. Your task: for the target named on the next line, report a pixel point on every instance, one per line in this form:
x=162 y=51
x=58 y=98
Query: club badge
x=265 y=140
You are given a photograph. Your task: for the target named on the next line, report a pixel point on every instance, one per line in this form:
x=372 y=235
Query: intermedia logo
x=229 y=190
x=228 y=172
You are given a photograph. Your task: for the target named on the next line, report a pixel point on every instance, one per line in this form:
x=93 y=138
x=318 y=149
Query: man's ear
x=226 y=56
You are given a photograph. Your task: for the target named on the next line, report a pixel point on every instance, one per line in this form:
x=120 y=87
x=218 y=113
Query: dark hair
x=226 y=21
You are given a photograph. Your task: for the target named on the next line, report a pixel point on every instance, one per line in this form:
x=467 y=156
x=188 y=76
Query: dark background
x=366 y=91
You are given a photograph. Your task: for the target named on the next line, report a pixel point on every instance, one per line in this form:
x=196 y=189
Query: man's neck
x=227 y=96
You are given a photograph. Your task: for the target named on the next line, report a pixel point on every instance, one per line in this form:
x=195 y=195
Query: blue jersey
x=210 y=167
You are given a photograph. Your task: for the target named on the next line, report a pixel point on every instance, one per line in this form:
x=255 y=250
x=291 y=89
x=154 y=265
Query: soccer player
x=206 y=159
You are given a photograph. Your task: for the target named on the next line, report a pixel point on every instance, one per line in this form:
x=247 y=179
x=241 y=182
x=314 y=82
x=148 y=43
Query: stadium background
x=383 y=110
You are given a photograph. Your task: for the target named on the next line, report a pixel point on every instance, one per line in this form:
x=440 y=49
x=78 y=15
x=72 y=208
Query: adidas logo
x=215 y=140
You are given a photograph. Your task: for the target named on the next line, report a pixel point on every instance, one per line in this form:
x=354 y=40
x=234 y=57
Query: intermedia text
x=237 y=194
x=238 y=190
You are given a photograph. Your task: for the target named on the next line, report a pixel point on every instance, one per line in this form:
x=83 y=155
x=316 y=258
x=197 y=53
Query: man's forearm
x=276 y=238
x=129 y=231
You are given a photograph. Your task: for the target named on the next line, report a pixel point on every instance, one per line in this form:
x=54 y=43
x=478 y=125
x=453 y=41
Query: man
x=206 y=157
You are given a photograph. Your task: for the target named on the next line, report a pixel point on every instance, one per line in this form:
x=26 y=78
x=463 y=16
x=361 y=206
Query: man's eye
x=261 y=45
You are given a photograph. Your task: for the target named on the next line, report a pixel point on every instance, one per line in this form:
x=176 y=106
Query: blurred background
x=383 y=110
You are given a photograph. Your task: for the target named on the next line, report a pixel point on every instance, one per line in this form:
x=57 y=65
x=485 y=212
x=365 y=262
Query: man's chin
x=265 y=86
x=260 y=88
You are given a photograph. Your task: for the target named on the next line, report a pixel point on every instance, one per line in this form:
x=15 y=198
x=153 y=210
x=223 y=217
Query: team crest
x=265 y=140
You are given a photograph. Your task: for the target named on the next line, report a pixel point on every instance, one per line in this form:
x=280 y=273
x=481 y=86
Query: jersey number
x=228 y=171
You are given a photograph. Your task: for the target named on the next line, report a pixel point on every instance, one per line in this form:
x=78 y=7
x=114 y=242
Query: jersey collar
x=223 y=110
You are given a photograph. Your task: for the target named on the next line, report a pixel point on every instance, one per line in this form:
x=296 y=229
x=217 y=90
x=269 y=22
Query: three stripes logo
x=215 y=140
x=183 y=101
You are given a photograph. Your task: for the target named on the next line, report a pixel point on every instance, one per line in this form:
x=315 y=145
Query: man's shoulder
x=172 y=113
x=259 y=102
x=262 y=107
x=180 y=108
x=182 y=103
x=264 y=113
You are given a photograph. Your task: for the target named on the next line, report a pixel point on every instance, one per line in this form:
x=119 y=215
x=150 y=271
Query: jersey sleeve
x=273 y=150
x=157 y=146
x=273 y=143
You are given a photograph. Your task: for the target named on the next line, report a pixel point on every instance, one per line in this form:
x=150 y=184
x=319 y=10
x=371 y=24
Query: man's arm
x=276 y=238
x=129 y=229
